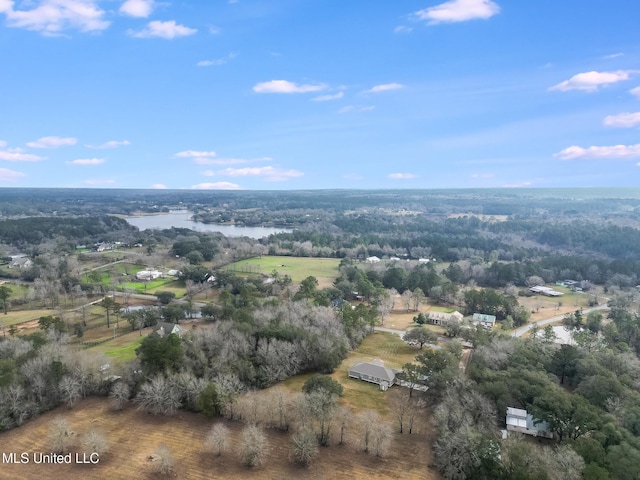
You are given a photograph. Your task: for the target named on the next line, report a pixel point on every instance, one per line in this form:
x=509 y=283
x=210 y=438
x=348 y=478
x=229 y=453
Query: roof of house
x=518 y=417
x=374 y=369
x=482 y=317
x=444 y=315
x=167 y=328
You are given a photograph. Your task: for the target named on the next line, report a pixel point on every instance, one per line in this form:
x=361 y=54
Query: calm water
x=182 y=219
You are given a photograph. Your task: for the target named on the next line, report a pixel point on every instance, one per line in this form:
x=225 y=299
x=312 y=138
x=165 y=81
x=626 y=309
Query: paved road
x=518 y=332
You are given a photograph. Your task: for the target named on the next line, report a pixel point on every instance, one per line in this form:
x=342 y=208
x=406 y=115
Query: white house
x=148 y=274
x=442 y=318
x=21 y=263
x=373 y=259
x=518 y=420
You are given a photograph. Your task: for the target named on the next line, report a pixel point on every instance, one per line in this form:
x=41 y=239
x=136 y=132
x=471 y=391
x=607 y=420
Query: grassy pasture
x=122 y=348
x=358 y=394
x=298 y=268
x=21 y=316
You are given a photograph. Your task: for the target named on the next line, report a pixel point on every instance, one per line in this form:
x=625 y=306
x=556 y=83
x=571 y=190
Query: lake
x=182 y=219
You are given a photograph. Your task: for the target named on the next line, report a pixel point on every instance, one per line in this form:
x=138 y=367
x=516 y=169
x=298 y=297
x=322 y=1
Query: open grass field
x=298 y=268
x=22 y=316
x=358 y=394
x=402 y=320
x=133 y=437
x=148 y=287
x=122 y=348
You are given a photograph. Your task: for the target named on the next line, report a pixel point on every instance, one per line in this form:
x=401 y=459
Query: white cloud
x=52 y=17
x=137 y=8
x=167 y=30
x=596 y=152
x=623 y=120
x=158 y=186
x=614 y=55
x=216 y=186
x=270 y=174
x=458 y=11
x=99 y=181
x=3 y=143
x=635 y=92
x=86 y=161
x=483 y=175
x=218 y=161
x=353 y=176
x=52 y=142
x=402 y=29
x=517 y=184
x=195 y=154
x=356 y=108
x=385 y=87
x=402 y=176
x=216 y=62
x=284 y=86
x=592 y=81
x=110 y=144
x=7 y=175
x=325 y=98
x=16 y=155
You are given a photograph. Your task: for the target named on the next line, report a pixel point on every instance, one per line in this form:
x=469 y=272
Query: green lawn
x=21 y=316
x=298 y=268
x=358 y=394
x=122 y=348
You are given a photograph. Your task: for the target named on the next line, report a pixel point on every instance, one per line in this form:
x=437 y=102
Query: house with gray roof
x=166 y=328
x=374 y=372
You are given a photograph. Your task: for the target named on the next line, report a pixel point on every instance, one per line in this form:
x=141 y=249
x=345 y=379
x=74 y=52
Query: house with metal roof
x=518 y=420
x=487 y=321
x=374 y=372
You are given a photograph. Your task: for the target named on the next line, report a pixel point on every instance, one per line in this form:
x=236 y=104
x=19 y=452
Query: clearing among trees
x=134 y=437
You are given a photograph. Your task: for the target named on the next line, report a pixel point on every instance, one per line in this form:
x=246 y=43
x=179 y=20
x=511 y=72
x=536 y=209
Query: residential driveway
x=518 y=332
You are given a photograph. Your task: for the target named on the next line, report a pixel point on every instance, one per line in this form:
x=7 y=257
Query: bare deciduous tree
x=381 y=437
x=344 y=417
x=158 y=396
x=254 y=446
x=70 y=390
x=163 y=460
x=304 y=446
x=119 y=395
x=60 y=435
x=218 y=438
x=95 y=441
x=367 y=422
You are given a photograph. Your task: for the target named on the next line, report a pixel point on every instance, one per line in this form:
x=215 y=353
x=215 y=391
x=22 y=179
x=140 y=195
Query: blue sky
x=299 y=94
